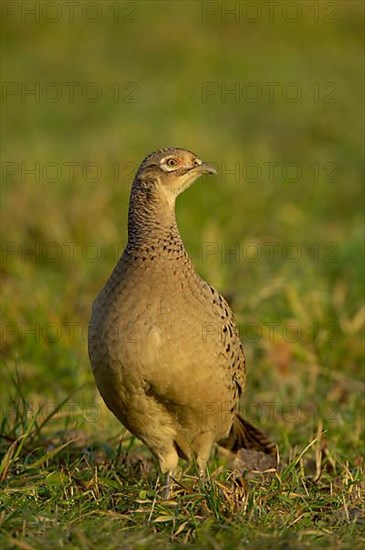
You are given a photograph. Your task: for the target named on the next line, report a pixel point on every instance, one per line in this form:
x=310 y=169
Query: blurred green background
x=159 y=71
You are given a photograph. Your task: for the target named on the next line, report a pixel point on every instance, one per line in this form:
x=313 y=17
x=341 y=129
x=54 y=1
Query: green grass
x=63 y=488
x=70 y=476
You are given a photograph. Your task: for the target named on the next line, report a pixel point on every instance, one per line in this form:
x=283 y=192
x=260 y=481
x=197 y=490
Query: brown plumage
x=163 y=344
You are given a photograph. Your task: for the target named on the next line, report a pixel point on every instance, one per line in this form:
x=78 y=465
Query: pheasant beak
x=205 y=168
x=208 y=168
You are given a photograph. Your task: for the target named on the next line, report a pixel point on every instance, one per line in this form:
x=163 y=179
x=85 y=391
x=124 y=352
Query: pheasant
x=163 y=344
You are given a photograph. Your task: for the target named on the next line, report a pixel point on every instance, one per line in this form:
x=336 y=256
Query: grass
x=64 y=489
x=70 y=476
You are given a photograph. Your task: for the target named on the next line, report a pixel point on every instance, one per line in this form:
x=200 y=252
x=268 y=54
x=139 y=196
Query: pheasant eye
x=171 y=162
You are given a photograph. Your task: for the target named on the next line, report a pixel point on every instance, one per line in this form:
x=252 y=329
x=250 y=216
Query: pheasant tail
x=244 y=435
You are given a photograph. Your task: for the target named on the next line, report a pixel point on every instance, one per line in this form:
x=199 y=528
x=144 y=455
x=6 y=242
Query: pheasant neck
x=151 y=220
